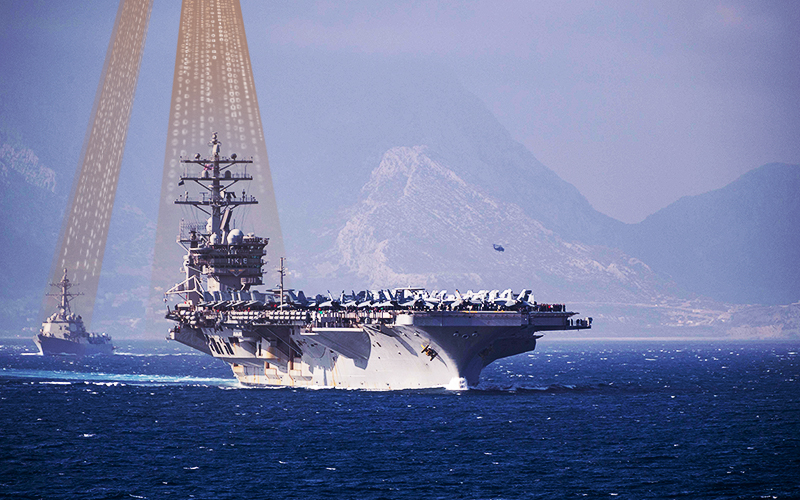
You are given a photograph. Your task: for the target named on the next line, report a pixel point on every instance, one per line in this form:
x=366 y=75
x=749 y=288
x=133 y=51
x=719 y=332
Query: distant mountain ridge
x=738 y=244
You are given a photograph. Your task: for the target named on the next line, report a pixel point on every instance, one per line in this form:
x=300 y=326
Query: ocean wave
x=157 y=355
x=550 y=388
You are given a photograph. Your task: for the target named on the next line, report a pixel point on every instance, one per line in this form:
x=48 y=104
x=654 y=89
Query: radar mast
x=64 y=295
x=222 y=254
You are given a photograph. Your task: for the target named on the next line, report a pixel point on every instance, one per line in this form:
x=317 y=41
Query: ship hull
x=415 y=351
x=54 y=346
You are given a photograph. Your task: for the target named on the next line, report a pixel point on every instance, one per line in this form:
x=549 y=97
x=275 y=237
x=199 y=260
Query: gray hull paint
x=53 y=346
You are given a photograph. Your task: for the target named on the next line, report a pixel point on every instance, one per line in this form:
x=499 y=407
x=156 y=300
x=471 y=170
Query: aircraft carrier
x=403 y=338
x=64 y=332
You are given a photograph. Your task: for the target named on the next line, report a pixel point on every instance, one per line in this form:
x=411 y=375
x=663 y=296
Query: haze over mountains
x=737 y=244
x=408 y=179
x=31 y=195
x=370 y=106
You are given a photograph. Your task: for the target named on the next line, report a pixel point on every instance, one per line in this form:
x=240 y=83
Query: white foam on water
x=457 y=384
x=157 y=355
x=114 y=379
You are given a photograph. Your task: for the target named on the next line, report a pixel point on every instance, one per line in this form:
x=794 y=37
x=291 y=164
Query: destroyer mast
x=64 y=295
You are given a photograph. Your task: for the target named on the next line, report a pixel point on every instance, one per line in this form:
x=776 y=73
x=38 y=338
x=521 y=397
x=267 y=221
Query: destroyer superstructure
x=374 y=339
x=64 y=332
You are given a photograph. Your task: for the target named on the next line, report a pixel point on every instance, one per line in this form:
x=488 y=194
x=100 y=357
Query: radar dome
x=235 y=237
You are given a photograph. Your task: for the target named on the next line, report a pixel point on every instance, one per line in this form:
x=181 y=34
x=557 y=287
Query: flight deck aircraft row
x=400 y=298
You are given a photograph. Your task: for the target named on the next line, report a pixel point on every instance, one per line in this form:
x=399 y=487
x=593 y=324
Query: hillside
x=418 y=223
x=32 y=207
x=738 y=244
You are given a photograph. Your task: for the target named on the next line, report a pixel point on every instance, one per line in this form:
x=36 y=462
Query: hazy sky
x=635 y=103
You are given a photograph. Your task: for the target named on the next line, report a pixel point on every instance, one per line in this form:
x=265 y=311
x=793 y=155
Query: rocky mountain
x=24 y=164
x=738 y=244
x=332 y=120
x=418 y=223
x=31 y=206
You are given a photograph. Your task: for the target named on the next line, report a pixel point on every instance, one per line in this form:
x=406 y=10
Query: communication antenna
x=282 y=273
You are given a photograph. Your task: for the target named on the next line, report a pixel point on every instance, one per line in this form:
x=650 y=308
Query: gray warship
x=405 y=338
x=64 y=332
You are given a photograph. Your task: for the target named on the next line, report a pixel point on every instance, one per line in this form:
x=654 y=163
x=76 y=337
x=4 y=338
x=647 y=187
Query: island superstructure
x=402 y=338
x=64 y=332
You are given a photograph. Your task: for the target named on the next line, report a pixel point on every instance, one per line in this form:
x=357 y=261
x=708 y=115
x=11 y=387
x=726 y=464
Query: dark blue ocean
x=573 y=419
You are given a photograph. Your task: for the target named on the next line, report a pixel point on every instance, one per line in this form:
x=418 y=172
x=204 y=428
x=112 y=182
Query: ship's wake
x=56 y=377
x=157 y=354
